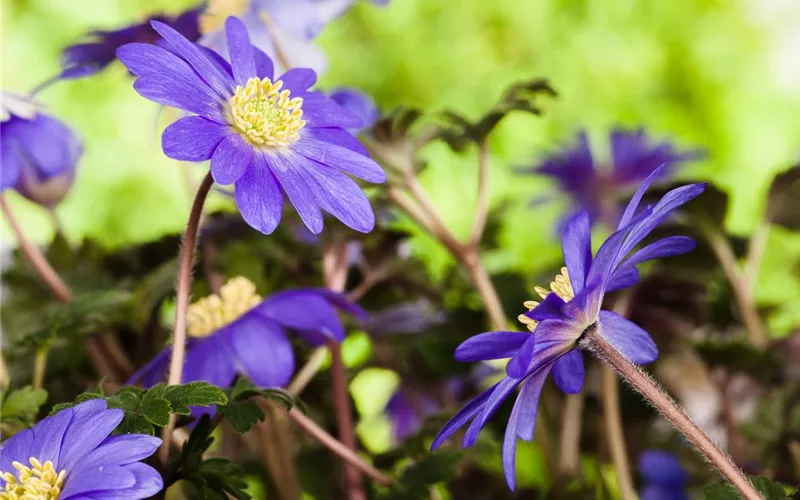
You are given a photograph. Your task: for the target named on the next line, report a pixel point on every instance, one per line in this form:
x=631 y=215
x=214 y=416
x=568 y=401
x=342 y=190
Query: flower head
x=91 y=56
x=266 y=135
x=566 y=311
x=665 y=478
x=72 y=455
x=239 y=332
x=598 y=189
x=38 y=153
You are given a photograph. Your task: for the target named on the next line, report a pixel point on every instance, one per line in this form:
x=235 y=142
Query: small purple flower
x=358 y=103
x=72 y=455
x=239 y=332
x=92 y=56
x=38 y=153
x=267 y=137
x=407 y=411
x=664 y=476
x=572 y=305
x=598 y=190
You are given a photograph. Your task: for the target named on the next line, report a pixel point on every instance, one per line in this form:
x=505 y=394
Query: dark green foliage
x=244 y=414
x=782 y=199
x=416 y=480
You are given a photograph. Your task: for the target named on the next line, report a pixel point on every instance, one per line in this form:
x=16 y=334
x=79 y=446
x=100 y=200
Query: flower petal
x=569 y=372
x=118 y=450
x=258 y=196
x=262 y=350
x=303 y=310
x=621 y=279
x=340 y=158
x=231 y=159
x=210 y=360
x=462 y=417
x=182 y=93
x=340 y=196
x=503 y=388
x=338 y=136
x=264 y=65
x=207 y=70
x=240 y=51
x=631 y=340
x=576 y=245
x=298 y=80
x=85 y=433
x=630 y=210
x=193 y=138
x=15 y=449
x=320 y=111
x=294 y=180
x=148 y=483
x=490 y=345
x=48 y=434
x=666 y=247
x=551 y=339
x=12 y=163
x=97 y=478
x=145 y=58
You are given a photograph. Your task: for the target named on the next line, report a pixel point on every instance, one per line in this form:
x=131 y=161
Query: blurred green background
x=720 y=75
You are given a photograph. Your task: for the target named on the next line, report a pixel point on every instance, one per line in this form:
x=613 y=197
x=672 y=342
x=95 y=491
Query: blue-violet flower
x=263 y=134
x=72 y=455
x=664 y=476
x=568 y=309
x=38 y=153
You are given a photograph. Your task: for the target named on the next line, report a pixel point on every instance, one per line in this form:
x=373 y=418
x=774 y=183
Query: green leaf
x=181 y=397
x=242 y=415
x=23 y=402
x=155 y=409
x=417 y=479
x=220 y=477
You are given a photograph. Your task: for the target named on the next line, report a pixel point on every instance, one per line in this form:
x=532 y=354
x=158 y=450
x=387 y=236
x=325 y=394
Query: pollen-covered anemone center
x=217 y=11
x=211 y=313
x=266 y=115
x=561 y=286
x=37 y=482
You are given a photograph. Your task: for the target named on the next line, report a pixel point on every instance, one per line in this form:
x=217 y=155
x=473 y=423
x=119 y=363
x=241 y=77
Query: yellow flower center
x=211 y=313
x=561 y=286
x=38 y=482
x=266 y=115
x=217 y=11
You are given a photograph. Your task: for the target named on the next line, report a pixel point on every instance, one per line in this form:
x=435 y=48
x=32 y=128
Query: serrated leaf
x=125 y=400
x=22 y=402
x=242 y=415
x=135 y=424
x=221 y=477
x=243 y=389
x=86 y=396
x=155 y=410
x=181 y=397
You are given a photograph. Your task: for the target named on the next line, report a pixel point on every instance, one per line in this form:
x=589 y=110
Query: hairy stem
x=482 y=203
x=570 y=459
x=471 y=261
x=594 y=341
x=185 y=261
x=616 y=435
x=342 y=451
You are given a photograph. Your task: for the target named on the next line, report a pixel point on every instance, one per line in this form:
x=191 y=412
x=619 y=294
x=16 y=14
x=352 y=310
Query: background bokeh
x=724 y=76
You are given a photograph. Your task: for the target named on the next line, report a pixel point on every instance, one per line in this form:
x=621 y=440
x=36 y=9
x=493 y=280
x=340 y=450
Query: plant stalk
x=615 y=434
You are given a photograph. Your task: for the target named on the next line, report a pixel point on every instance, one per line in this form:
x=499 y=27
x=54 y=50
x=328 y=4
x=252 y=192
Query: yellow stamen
x=217 y=11
x=211 y=313
x=265 y=115
x=38 y=482
x=560 y=285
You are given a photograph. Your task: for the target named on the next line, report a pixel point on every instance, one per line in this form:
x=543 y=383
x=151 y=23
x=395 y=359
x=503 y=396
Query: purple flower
x=93 y=55
x=407 y=410
x=72 y=455
x=598 y=190
x=358 y=103
x=572 y=305
x=267 y=137
x=238 y=332
x=38 y=153
x=665 y=478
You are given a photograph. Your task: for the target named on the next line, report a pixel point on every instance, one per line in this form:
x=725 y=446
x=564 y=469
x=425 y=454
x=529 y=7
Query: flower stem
x=5 y=374
x=185 y=262
x=39 y=367
x=334 y=265
x=594 y=341
x=615 y=434
x=482 y=203
x=342 y=451
x=471 y=261
x=569 y=460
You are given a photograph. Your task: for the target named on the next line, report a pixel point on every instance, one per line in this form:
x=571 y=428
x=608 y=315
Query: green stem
x=39 y=367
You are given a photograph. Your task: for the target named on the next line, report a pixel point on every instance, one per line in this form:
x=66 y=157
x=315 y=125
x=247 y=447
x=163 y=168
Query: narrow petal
x=631 y=340
x=491 y=345
x=264 y=65
x=630 y=210
x=577 y=248
x=231 y=159
x=569 y=372
x=341 y=302
x=549 y=308
x=85 y=434
x=48 y=434
x=505 y=387
x=193 y=138
x=210 y=360
x=298 y=79
x=340 y=196
x=148 y=483
x=181 y=93
x=15 y=449
x=609 y=254
x=338 y=136
x=551 y=339
x=262 y=350
x=303 y=310
x=208 y=71
x=666 y=247
x=319 y=111
x=145 y=58
x=240 y=50
x=294 y=180
x=118 y=450
x=622 y=279
x=97 y=478
x=340 y=158
x=258 y=196
x=462 y=417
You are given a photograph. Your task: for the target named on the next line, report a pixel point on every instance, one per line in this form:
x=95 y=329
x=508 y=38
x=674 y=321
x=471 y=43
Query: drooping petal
x=577 y=248
x=298 y=80
x=666 y=247
x=240 y=51
x=462 y=417
x=231 y=159
x=294 y=180
x=193 y=138
x=569 y=372
x=258 y=196
x=340 y=196
x=490 y=345
x=208 y=71
x=262 y=349
x=304 y=310
x=182 y=93
x=628 y=338
x=340 y=158
x=633 y=205
x=85 y=433
x=503 y=388
x=97 y=478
